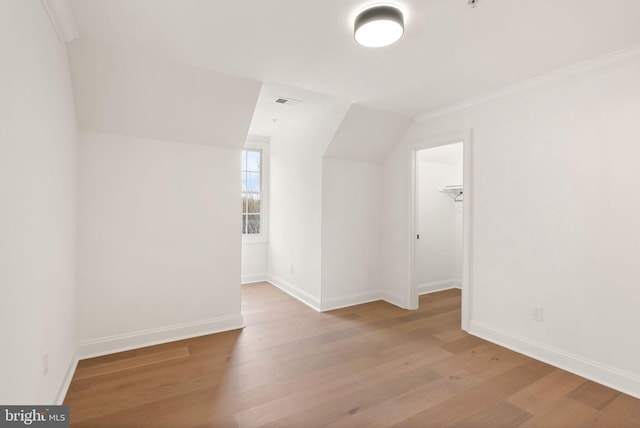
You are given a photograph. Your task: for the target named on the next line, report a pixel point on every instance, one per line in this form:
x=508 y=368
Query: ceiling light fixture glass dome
x=378 y=26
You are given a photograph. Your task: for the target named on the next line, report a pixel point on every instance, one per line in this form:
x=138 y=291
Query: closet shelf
x=455 y=191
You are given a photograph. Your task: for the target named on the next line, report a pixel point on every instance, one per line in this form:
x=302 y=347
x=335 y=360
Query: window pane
x=251 y=191
x=253 y=204
x=253 y=224
x=253 y=161
x=244 y=181
x=253 y=182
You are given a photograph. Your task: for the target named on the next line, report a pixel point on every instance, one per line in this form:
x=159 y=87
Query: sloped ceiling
x=123 y=91
x=367 y=135
x=449 y=53
x=271 y=118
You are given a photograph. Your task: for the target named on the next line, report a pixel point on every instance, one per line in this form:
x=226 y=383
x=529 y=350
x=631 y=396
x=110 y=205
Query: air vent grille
x=286 y=101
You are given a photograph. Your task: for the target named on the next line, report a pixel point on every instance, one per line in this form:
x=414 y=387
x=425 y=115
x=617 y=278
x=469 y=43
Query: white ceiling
x=449 y=53
x=270 y=118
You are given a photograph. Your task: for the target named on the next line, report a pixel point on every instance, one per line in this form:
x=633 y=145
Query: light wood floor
x=372 y=365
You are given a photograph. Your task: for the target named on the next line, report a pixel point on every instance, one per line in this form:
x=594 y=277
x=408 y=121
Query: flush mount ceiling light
x=378 y=26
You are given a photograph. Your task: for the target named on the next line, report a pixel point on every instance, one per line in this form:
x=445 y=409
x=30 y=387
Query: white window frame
x=262 y=144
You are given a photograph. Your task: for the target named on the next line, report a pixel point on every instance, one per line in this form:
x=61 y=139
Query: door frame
x=464 y=137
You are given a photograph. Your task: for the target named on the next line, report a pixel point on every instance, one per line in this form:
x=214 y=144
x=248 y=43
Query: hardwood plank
x=486 y=361
x=537 y=397
x=594 y=395
x=130 y=363
x=451 y=335
x=478 y=398
x=354 y=401
x=290 y=404
x=502 y=415
x=623 y=412
x=409 y=403
x=564 y=413
x=465 y=343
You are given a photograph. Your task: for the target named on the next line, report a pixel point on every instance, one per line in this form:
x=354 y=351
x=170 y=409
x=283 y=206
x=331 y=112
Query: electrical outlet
x=45 y=363
x=291 y=268
x=537 y=313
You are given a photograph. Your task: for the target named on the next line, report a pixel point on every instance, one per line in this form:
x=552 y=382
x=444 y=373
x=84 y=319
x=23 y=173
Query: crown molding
x=582 y=70
x=61 y=18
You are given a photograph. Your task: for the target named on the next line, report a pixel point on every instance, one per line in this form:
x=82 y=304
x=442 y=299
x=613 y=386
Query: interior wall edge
x=608 y=376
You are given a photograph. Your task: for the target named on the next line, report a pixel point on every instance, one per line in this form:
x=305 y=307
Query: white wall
x=296 y=201
x=159 y=241
x=351 y=220
x=352 y=205
x=37 y=207
x=439 y=249
x=553 y=221
x=254 y=261
x=159 y=220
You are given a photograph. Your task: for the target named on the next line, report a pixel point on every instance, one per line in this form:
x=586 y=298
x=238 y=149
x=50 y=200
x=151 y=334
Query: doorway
x=440 y=219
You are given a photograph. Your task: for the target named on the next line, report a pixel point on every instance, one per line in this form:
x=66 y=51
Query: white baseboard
x=65 y=380
x=139 y=339
x=613 y=378
x=346 y=301
x=295 y=291
x=432 y=287
x=253 y=277
x=331 y=304
x=394 y=300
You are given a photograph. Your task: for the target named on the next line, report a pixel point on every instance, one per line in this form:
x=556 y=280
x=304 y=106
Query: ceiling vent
x=286 y=101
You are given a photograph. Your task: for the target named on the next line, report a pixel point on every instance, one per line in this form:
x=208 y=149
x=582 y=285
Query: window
x=252 y=192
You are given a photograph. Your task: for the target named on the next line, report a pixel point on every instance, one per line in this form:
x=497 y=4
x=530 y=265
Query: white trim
x=295 y=291
x=61 y=17
x=465 y=137
x=467 y=233
x=582 y=70
x=346 y=301
x=65 y=380
x=155 y=336
x=613 y=378
x=393 y=300
x=433 y=287
x=332 y=304
x=252 y=278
